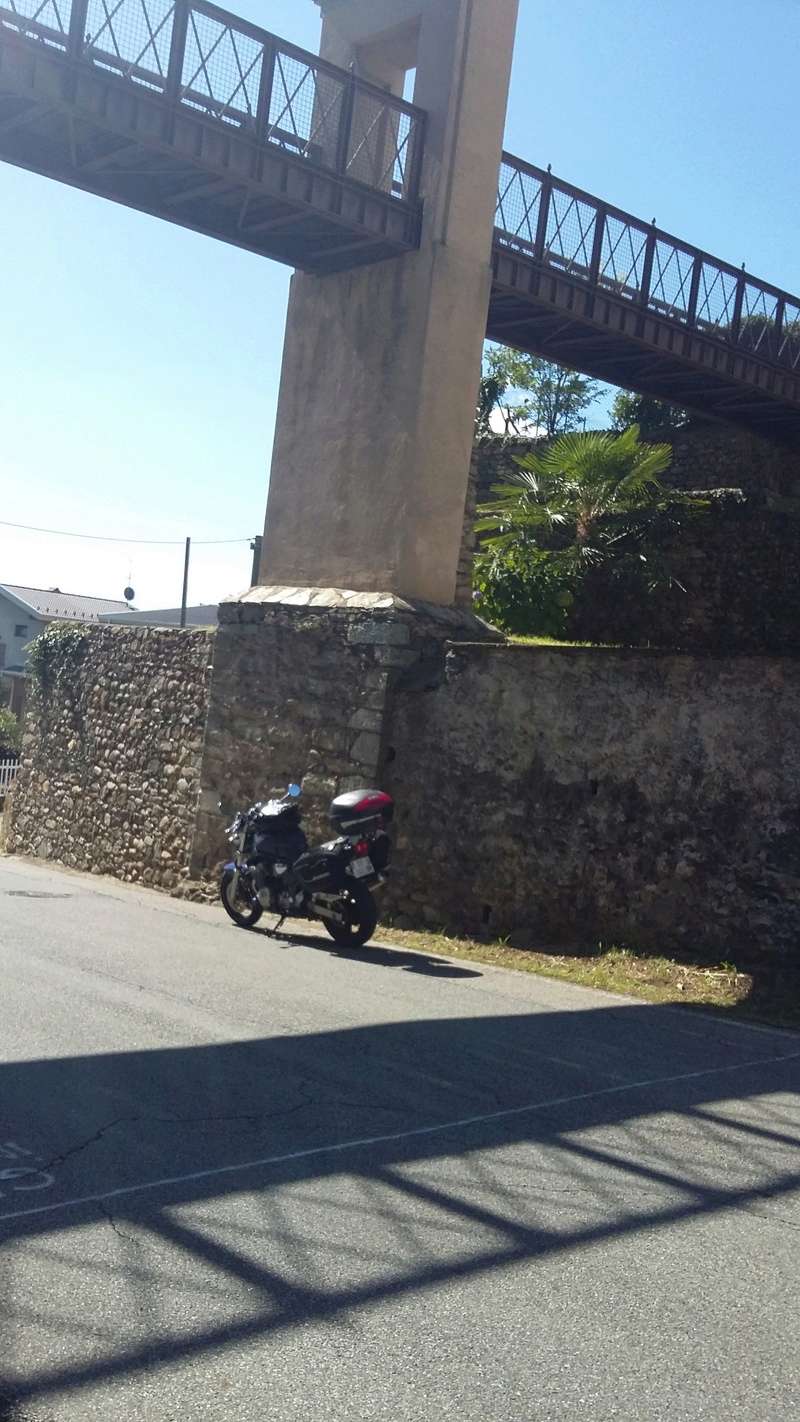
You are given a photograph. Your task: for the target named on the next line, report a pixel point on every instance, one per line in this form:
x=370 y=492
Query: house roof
x=52 y=604
x=204 y=615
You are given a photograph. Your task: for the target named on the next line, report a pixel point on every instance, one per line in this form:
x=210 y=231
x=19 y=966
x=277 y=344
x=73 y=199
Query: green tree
x=651 y=415
x=529 y=392
x=571 y=505
x=490 y=393
x=10 y=731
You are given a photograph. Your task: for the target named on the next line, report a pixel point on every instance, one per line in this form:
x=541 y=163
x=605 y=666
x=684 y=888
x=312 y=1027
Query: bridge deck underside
x=539 y=309
x=123 y=141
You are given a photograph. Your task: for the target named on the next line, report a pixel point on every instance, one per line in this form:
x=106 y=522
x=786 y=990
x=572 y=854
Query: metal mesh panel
x=716 y=299
x=671 y=280
x=306 y=109
x=244 y=76
x=570 y=232
x=403 y=138
x=519 y=198
x=788 y=352
x=221 y=68
x=132 y=37
x=380 y=139
x=49 y=14
x=757 y=328
x=622 y=256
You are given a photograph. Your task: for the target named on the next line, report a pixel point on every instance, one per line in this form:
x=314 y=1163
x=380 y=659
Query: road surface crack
x=120 y=1233
x=90 y=1140
x=253 y=1117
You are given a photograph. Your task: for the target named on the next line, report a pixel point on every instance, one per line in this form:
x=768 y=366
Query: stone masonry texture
x=573 y=796
x=736 y=583
x=301 y=693
x=112 y=753
x=560 y=796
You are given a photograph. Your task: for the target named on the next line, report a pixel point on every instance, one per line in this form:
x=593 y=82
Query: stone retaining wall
x=112 y=754
x=565 y=795
x=736 y=583
x=578 y=795
x=301 y=688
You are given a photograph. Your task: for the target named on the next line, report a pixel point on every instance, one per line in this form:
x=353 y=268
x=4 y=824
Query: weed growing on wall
x=55 y=656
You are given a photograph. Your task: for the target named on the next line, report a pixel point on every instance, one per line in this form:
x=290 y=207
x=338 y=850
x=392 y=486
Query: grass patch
x=768 y=991
x=523 y=640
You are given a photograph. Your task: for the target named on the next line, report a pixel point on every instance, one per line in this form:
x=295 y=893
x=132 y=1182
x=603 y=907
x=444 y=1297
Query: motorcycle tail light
x=361 y=848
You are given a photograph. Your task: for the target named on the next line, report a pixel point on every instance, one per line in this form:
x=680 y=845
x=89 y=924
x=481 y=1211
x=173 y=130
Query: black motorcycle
x=275 y=871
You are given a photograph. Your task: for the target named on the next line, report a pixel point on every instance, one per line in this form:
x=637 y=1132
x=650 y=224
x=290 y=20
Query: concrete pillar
x=381 y=365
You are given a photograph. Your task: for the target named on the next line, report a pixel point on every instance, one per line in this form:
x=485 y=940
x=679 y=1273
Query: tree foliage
x=531 y=394
x=10 y=731
x=581 y=501
x=652 y=416
x=573 y=485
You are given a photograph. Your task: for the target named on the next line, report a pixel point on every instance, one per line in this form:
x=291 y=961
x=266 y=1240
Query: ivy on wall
x=55 y=655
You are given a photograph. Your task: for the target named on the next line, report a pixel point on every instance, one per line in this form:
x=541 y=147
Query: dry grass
x=768 y=993
x=521 y=639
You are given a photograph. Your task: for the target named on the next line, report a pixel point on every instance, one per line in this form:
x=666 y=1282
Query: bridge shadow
x=321 y=1174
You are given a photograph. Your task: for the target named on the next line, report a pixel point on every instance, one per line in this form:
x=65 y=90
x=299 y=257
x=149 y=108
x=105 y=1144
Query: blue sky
x=139 y=362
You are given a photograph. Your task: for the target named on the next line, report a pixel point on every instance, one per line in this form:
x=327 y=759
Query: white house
x=24 y=613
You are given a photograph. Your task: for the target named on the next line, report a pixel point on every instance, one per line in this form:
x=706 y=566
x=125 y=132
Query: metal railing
x=209 y=60
x=563 y=227
x=8 y=772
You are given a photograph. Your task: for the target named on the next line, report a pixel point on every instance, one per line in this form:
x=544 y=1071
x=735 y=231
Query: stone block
x=323 y=786
x=379 y=633
x=366 y=719
x=366 y=749
x=395 y=656
x=331 y=739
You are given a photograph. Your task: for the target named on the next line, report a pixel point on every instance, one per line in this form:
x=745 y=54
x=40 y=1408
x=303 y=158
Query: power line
x=99 y=538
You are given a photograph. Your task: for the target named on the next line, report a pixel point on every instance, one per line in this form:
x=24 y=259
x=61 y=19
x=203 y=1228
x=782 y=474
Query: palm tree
x=579 y=496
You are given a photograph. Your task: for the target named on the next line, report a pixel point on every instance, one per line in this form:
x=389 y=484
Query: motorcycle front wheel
x=360 y=914
x=237 y=904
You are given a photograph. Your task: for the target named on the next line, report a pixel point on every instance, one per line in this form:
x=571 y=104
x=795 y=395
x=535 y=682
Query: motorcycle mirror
x=294 y=791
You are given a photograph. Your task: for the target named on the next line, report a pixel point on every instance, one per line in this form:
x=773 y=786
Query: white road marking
x=32 y=1178
x=9 y=1150
x=341 y=1147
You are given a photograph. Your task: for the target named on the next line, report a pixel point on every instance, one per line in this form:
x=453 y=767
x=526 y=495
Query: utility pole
x=185 y=581
x=256 y=547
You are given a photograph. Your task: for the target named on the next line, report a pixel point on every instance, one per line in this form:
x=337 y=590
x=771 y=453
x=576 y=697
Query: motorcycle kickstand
x=278 y=926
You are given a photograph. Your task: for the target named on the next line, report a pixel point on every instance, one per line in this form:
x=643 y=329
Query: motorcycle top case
x=361 y=810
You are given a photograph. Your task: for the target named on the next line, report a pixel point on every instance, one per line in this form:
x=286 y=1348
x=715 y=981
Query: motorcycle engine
x=274 y=892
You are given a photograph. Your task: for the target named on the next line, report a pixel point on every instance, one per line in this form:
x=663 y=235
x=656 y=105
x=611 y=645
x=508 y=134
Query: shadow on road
x=426 y=964
x=385 y=1161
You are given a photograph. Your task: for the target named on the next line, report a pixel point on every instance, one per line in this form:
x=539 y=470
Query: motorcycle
x=274 y=870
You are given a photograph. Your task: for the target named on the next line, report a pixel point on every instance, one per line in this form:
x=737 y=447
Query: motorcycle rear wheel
x=237 y=905
x=360 y=919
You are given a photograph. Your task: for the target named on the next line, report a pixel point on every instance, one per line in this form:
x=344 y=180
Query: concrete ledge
x=459 y=622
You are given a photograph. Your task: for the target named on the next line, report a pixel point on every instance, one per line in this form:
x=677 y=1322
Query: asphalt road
x=253 y=1180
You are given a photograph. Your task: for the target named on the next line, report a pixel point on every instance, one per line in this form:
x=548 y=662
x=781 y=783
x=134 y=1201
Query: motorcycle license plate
x=361 y=868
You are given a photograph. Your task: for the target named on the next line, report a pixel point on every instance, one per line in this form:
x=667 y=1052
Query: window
x=21 y=629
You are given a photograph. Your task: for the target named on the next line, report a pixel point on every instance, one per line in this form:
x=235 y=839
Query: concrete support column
x=381 y=364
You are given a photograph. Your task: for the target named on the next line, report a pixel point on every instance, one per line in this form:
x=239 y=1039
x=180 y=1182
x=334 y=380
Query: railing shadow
x=325 y=1173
